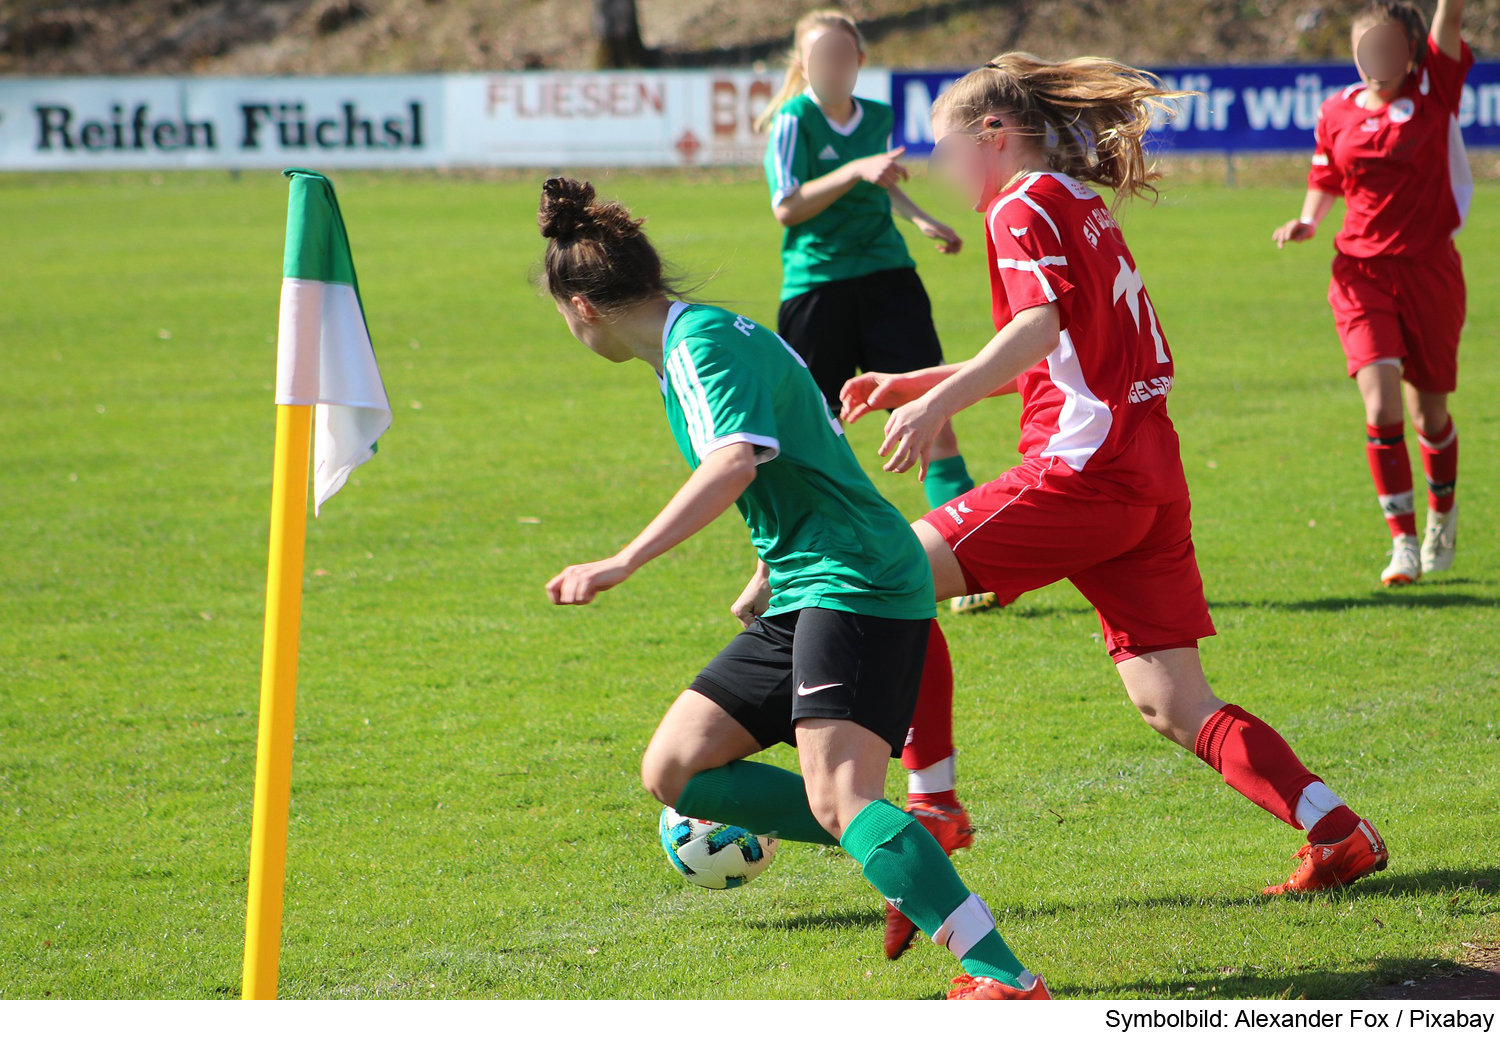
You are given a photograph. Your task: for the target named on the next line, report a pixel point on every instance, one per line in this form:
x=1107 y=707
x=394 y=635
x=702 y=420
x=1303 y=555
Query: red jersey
x=1097 y=405
x=1402 y=168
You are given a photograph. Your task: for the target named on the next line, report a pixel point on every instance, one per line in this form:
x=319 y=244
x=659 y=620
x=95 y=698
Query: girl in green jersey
x=838 y=615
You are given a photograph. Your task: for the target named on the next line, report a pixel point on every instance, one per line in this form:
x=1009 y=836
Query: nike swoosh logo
x=804 y=689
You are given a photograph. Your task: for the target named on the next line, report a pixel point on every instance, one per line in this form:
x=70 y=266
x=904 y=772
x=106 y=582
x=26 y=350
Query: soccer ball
x=712 y=854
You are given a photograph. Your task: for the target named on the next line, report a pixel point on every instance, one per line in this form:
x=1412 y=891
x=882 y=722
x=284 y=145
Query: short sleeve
x=786 y=157
x=1029 y=257
x=1446 y=74
x=723 y=401
x=1324 y=175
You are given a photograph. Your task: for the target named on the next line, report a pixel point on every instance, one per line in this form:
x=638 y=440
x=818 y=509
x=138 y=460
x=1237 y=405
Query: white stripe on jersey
x=1460 y=176
x=1035 y=268
x=784 y=137
x=694 y=401
x=1019 y=194
x=1083 y=421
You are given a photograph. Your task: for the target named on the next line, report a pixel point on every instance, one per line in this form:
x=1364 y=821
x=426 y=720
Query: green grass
x=466 y=818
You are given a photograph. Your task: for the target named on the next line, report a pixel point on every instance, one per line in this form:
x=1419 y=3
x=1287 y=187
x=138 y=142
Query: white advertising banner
x=628 y=118
x=236 y=123
x=702 y=117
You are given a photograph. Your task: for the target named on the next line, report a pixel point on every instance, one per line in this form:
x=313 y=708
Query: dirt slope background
x=388 y=36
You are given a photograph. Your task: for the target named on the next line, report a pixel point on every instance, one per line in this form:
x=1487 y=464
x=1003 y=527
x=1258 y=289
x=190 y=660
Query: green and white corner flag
x=323 y=351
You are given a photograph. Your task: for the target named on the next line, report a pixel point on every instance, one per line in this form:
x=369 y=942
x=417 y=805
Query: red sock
x=1254 y=761
x=930 y=739
x=1440 y=463
x=1333 y=827
x=1390 y=466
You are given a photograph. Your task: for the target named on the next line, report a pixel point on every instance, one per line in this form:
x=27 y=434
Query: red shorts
x=1402 y=311
x=1135 y=564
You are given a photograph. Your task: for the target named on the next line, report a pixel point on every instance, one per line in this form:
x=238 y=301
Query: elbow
x=784 y=215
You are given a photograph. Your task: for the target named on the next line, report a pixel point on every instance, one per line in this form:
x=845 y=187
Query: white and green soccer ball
x=713 y=854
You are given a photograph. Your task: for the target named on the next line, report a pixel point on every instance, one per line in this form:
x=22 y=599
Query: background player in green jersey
x=851 y=301
x=833 y=662
x=850 y=297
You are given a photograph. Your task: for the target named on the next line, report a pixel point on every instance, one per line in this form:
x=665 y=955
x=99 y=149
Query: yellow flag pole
x=278 y=700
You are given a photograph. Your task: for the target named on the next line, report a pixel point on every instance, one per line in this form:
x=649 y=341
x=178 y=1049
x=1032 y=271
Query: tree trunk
x=617 y=35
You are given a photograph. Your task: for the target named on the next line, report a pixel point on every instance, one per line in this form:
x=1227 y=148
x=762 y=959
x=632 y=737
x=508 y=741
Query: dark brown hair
x=1090 y=116
x=597 y=250
x=1408 y=16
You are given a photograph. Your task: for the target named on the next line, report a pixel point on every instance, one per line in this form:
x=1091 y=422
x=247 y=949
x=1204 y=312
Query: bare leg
x=1171 y=692
x=695 y=735
x=947 y=574
x=843 y=765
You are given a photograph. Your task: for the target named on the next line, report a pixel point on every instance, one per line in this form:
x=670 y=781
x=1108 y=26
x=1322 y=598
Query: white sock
x=970 y=922
x=939 y=778
x=1316 y=801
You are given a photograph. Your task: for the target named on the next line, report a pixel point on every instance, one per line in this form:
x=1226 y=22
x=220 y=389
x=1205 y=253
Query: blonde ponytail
x=795 y=81
x=1090 y=116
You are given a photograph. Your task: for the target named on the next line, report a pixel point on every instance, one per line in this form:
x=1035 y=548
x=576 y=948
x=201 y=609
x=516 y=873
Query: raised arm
x=1448 y=26
x=714 y=486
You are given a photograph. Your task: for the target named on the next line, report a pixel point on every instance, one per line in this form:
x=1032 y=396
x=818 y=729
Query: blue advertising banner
x=1240 y=109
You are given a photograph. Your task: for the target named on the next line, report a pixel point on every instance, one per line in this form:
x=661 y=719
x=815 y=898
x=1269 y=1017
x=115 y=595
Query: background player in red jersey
x=1099 y=497
x=1390 y=145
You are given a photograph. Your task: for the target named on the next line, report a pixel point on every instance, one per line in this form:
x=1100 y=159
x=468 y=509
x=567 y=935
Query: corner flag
x=323 y=360
x=323 y=352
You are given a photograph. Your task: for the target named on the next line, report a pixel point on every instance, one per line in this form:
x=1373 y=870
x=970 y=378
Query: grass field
x=466 y=818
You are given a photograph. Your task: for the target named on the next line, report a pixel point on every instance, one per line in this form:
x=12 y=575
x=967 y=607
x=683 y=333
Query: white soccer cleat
x=1439 y=542
x=1406 y=562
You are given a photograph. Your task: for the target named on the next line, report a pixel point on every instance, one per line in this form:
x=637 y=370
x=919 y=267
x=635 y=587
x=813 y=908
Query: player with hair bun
x=1099 y=497
x=839 y=625
x=1390 y=146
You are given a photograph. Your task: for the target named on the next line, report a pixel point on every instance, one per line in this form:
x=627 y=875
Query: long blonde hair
x=796 y=76
x=1090 y=115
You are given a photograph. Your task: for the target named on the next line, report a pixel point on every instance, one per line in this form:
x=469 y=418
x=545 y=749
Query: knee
x=1176 y=716
x=663 y=776
x=1429 y=424
x=825 y=806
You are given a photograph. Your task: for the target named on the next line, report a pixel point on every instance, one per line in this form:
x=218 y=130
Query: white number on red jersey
x=1130 y=285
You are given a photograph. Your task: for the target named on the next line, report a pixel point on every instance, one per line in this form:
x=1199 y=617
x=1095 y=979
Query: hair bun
x=566 y=210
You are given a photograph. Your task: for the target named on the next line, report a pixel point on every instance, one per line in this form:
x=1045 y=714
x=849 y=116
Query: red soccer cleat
x=985 y=988
x=1324 y=866
x=951 y=828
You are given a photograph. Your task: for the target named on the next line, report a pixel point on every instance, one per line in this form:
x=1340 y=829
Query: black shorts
x=877 y=322
x=820 y=664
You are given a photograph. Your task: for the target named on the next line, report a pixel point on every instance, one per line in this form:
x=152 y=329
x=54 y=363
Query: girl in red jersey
x=1099 y=497
x=1390 y=145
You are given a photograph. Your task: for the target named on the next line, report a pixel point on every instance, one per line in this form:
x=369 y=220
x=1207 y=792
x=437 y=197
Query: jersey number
x=1130 y=286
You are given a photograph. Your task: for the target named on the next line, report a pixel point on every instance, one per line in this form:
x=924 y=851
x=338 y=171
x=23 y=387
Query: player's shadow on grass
x=1394 y=882
x=1402 y=598
x=1248 y=981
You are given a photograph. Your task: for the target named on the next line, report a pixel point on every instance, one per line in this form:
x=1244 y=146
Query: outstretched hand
x=875 y=391
x=1294 y=231
x=577 y=585
x=909 y=435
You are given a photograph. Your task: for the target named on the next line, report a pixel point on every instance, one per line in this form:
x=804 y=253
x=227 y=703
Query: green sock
x=762 y=798
x=947 y=479
x=908 y=866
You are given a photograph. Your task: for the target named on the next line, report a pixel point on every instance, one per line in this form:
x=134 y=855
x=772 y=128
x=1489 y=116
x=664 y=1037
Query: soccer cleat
x=1440 y=540
x=1324 y=866
x=1406 y=562
x=972 y=603
x=951 y=828
x=987 y=988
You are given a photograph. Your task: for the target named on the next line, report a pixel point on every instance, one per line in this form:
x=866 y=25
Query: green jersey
x=831 y=540
x=855 y=235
